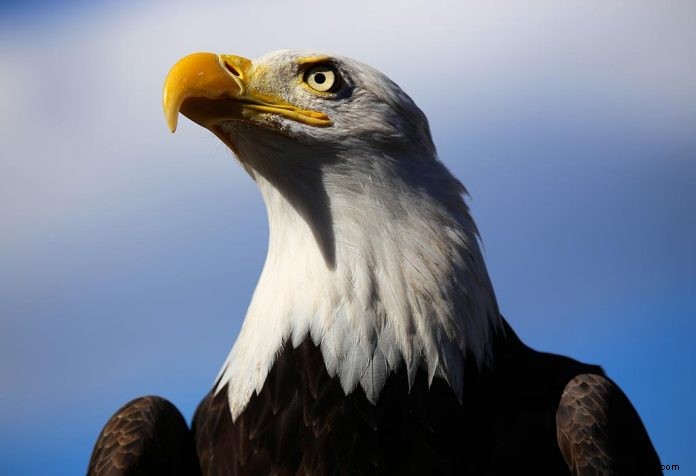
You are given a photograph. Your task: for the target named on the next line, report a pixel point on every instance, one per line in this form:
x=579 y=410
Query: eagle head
x=372 y=251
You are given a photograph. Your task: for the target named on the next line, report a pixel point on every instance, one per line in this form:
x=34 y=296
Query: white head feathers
x=372 y=250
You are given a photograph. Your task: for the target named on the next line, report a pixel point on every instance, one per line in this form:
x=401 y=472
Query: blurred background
x=128 y=255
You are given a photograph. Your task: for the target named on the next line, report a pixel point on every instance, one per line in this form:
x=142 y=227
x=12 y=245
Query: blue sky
x=128 y=255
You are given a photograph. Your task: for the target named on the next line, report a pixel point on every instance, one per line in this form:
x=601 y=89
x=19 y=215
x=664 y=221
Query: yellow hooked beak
x=210 y=89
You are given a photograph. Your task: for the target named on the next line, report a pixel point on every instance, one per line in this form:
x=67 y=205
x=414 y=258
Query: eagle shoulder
x=599 y=431
x=147 y=435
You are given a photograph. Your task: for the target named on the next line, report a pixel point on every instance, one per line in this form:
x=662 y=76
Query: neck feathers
x=379 y=273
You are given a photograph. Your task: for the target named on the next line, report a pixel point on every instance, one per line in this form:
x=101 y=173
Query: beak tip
x=172 y=123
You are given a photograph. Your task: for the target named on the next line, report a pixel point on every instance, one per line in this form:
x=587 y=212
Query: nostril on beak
x=232 y=69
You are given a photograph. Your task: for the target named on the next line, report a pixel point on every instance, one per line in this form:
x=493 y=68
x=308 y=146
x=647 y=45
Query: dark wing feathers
x=146 y=436
x=533 y=414
x=599 y=431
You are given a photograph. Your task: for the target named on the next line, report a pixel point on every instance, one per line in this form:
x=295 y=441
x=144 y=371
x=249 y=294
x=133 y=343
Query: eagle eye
x=322 y=78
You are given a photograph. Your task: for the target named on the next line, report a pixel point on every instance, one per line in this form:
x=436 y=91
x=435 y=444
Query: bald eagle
x=373 y=343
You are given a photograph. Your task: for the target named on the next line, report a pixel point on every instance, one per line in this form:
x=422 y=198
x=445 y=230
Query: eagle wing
x=146 y=436
x=599 y=431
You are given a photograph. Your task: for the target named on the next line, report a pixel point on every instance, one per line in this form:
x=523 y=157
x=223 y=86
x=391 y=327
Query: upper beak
x=210 y=89
x=200 y=84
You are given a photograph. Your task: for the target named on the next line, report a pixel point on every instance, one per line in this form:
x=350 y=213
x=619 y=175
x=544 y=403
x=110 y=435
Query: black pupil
x=320 y=78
